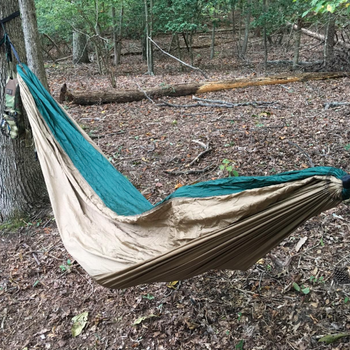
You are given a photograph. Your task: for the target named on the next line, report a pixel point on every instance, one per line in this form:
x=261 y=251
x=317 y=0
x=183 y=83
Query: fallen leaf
x=173 y=284
x=300 y=243
x=142 y=318
x=79 y=322
x=331 y=338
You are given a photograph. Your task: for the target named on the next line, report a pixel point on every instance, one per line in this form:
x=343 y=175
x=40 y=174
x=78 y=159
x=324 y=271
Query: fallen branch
x=239 y=104
x=206 y=150
x=300 y=63
x=175 y=58
x=319 y=36
x=121 y=96
x=328 y=105
x=216 y=103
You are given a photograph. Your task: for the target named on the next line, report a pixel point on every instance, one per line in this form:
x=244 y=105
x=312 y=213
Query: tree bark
x=329 y=40
x=247 y=28
x=22 y=187
x=297 y=39
x=32 y=43
x=212 y=46
x=117 y=33
x=121 y=96
x=148 y=27
x=80 y=52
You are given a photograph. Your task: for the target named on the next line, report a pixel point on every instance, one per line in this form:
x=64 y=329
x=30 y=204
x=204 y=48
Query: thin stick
x=175 y=58
x=144 y=92
x=206 y=150
x=188 y=172
x=311 y=163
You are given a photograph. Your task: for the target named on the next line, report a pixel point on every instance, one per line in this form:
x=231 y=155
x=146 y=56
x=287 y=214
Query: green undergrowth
x=13 y=224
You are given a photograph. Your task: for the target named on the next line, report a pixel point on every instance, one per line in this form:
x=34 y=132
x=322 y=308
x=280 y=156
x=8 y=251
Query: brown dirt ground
x=42 y=288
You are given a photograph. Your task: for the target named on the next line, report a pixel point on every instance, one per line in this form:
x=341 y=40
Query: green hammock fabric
x=113 y=188
x=122 y=240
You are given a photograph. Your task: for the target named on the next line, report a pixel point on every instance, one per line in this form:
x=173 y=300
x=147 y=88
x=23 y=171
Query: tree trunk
x=33 y=49
x=247 y=28
x=265 y=36
x=121 y=96
x=179 y=50
x=80 y=52
x=297 y=39
x=117 y=33
x=190 y=44
x=212 y=46
x=149 y=47
x=329 y=40
x=22 y=187
x=233 y=5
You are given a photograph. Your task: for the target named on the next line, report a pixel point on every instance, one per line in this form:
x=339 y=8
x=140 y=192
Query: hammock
x=122 y=240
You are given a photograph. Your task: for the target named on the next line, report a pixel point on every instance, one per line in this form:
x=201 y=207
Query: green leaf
x=306 y=290
x=296 y=286
x=36 y=283
x=346 y=299
x=240 y=344
x=79 y=322
x=235 y=173
x=148 y=296
x=331 y=338
x=142 y=318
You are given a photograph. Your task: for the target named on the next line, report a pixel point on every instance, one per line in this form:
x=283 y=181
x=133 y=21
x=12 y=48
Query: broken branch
x=175 y=58
x=206 y=150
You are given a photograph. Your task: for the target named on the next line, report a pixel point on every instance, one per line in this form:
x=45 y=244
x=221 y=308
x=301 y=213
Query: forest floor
x=288 y=300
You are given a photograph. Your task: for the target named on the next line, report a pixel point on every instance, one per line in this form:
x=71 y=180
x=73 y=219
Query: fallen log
x=122 y=96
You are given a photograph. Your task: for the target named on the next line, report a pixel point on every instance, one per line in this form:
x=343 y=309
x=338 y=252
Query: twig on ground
x=195 y=114
x=328 y=105
x=311 y=163
x=175 y=58
x=239 y=104
x=4 y=318
x=217 y=103
x=188 y=172
x=206 y=150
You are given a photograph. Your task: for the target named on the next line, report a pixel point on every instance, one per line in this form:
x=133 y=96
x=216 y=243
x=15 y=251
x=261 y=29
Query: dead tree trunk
x=121 y=96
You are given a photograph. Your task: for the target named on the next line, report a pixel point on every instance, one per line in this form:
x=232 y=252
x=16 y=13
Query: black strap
x=6 y=39
x=9 y=18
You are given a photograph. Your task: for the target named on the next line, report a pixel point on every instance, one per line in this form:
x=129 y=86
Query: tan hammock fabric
x=178 y=239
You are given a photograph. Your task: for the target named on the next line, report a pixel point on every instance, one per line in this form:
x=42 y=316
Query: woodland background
x=290 y=299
